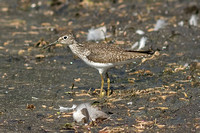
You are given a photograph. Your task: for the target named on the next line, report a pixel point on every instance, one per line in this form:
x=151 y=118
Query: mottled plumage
x=104 y=53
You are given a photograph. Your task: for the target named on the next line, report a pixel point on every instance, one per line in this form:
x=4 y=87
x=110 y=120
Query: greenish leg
x=108 y=82
x=102 y=83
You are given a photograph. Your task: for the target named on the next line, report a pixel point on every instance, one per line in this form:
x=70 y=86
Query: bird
x=100 y=56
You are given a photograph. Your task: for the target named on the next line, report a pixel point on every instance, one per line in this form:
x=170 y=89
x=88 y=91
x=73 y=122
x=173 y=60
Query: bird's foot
x=101 y=94
x=108 y=92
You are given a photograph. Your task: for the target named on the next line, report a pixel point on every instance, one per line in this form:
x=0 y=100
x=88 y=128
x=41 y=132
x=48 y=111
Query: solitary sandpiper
x=100 y=56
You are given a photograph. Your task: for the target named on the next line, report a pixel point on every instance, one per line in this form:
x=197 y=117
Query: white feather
x=93 y=112
x=181 y=23
x=64 y=109
x=160 y=24
x=135 y=45
x=97 y=34
x=193 y=20
x=142 y=43
x=140 y=32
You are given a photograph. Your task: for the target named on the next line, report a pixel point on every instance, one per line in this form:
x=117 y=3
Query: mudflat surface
x=161 y=94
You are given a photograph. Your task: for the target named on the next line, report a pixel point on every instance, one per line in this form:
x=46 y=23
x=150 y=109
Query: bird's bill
x=51 y=44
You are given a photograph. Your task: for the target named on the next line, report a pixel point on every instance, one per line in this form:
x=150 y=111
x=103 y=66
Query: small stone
x=1 y=48
x=21 y=52
x=39 y=56
x=11 y=88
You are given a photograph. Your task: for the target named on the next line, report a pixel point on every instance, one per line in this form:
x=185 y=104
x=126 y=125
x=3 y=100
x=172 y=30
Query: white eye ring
x=65 y=37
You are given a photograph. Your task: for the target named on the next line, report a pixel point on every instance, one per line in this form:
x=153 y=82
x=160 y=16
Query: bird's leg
x=108 y=82
x=102 y=83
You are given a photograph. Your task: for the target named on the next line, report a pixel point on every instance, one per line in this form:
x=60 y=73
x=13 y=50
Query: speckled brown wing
x=103 y=53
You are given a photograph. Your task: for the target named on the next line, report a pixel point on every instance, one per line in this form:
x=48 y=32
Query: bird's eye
x=65 y=37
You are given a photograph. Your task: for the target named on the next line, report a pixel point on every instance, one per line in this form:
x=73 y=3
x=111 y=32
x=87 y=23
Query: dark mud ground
x=164 y=91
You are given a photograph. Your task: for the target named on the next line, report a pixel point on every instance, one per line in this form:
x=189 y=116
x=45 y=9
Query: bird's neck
x=76 y=48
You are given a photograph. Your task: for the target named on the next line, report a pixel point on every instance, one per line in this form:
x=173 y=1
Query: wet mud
x=161 y=94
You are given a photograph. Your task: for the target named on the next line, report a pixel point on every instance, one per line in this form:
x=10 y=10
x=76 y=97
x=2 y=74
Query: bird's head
x=66 y=40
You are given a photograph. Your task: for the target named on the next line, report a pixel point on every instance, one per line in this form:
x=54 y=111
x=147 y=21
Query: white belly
x=101 y=67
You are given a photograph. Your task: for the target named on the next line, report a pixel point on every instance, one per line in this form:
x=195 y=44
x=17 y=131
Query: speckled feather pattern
x=103 y=53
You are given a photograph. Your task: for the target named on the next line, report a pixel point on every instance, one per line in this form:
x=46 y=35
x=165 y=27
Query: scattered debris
x=181 y=23
x=40 y=43
x=97 y=34
x=2 y=48
x=140 y=44
x=129 y=103
x=21 y=52
x=34 y=98
x=64 y=109
x=86 y=113
x=44 y=106
x=68 y=126
x=142 y=73
x=11 y=88
x=140 y=32
x=39 y=56
x=160 y=24
x=195 y=66
x=135 y=45
x=193 y=20
x=30 y=106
